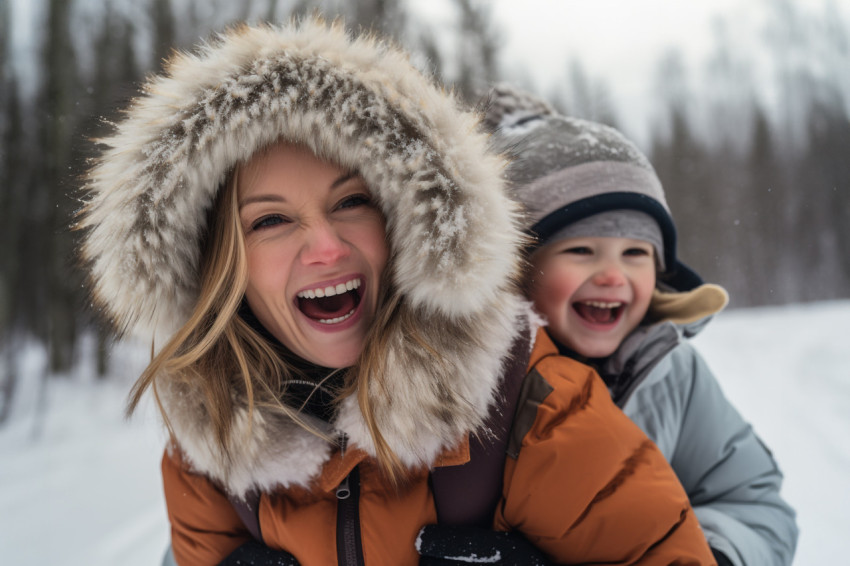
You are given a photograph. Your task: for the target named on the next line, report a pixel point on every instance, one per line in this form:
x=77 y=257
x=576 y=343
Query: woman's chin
x=342 y=356
x=334 y=348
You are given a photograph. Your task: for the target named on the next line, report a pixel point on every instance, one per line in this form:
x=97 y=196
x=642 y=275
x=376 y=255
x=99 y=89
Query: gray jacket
x=730 y=476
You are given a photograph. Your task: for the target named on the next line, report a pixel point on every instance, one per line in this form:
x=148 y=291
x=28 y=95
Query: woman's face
x=316 y=248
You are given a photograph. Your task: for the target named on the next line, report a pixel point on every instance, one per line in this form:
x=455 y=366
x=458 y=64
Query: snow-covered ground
x=81 y=485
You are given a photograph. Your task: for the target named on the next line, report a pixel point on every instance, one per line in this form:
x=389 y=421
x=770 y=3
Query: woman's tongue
x=327 y=308
x=599 y=315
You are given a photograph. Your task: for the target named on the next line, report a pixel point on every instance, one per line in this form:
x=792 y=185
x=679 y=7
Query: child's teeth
x=601 y=305
x=340 y=288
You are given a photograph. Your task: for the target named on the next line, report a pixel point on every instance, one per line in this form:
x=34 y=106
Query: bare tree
x=59 y=284
x=586 y=97
x=770 y=262
x=476 y=50
x=162 y=18
x=726 y=93
x=786 y=36
x=9 y=128
x=382 y=16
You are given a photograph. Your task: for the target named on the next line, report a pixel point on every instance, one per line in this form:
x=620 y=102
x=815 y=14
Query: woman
x=320 y=239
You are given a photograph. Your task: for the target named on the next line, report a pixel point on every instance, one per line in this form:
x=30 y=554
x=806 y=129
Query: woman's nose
x=323 y=245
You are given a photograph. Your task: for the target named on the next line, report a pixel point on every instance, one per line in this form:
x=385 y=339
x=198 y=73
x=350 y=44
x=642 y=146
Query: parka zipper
x=349 y=546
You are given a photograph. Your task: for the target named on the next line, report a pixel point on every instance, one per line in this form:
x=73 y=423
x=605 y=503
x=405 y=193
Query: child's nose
x=609 y=275
x=323 y=245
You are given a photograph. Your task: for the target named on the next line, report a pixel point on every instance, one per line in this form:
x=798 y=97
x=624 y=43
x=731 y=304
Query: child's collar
x=686 y=307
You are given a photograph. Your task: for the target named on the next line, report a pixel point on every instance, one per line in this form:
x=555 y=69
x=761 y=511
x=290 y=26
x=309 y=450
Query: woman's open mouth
x=599 y=312
x=331 y=304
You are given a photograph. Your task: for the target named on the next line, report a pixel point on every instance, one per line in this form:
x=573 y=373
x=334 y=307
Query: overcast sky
x=617 y=41
x=615 y=38
x=621 y=41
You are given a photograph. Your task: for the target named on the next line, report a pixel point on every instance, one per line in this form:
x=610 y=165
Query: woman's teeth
x=330 y=291
x=337 y=319
x=332 y=304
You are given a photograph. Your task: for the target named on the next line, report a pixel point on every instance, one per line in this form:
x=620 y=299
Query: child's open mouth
x=330 y=305
x=599 y=312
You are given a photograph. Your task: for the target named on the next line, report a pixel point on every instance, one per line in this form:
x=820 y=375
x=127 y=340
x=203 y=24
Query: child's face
x=593 y=291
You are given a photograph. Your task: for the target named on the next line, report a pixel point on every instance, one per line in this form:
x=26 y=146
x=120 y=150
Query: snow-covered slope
x=788 y=372
x=81 y=486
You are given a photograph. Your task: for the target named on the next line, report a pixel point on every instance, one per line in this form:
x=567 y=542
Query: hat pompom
x=508 y=106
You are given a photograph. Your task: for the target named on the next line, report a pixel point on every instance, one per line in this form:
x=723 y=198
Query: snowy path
x=788 y=372
x=87 y=492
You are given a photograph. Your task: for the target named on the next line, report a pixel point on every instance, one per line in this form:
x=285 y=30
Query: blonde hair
x=216 y=350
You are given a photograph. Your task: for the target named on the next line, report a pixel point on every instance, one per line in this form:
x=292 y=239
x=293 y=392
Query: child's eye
x=637 y=252
x=353 y=201
x=269 y=221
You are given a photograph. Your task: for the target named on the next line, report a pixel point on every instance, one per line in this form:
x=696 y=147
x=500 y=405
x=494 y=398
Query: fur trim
x=427 y=410
x=271 y=450
x=358 y=103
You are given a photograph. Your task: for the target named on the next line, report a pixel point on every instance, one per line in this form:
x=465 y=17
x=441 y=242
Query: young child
x=604 y=274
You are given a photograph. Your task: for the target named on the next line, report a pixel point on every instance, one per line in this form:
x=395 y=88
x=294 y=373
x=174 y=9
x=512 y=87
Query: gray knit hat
x=576 y=177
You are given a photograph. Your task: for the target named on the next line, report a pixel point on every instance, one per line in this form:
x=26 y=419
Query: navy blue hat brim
x=677 y=275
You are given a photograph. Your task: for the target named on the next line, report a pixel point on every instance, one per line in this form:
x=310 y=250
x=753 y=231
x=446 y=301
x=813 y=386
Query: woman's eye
x=268 y=221
x=578 y=250
x=353 y=201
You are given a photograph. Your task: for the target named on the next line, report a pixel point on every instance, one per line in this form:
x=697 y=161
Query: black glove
x=440 y=545
x=721 y=558
x=254 y=553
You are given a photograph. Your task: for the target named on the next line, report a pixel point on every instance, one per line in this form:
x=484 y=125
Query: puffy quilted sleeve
x=204 y=526
x=584 y=484
x=731 y=477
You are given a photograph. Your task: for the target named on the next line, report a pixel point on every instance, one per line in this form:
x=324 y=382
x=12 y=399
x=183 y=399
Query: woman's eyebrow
x=341 y=180
x=344 y=178
x=260 y=198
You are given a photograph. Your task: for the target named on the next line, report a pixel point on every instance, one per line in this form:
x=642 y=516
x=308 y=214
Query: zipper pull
x=343 y=491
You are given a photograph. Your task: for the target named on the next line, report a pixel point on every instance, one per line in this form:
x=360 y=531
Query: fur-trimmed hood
x=360 y=104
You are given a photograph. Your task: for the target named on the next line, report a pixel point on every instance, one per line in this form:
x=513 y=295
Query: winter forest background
x=756 y=165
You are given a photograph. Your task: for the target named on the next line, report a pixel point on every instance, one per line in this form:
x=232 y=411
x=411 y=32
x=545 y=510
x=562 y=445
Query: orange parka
x=581 y=482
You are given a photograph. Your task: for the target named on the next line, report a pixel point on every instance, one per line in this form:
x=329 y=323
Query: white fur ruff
x=360 y=104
